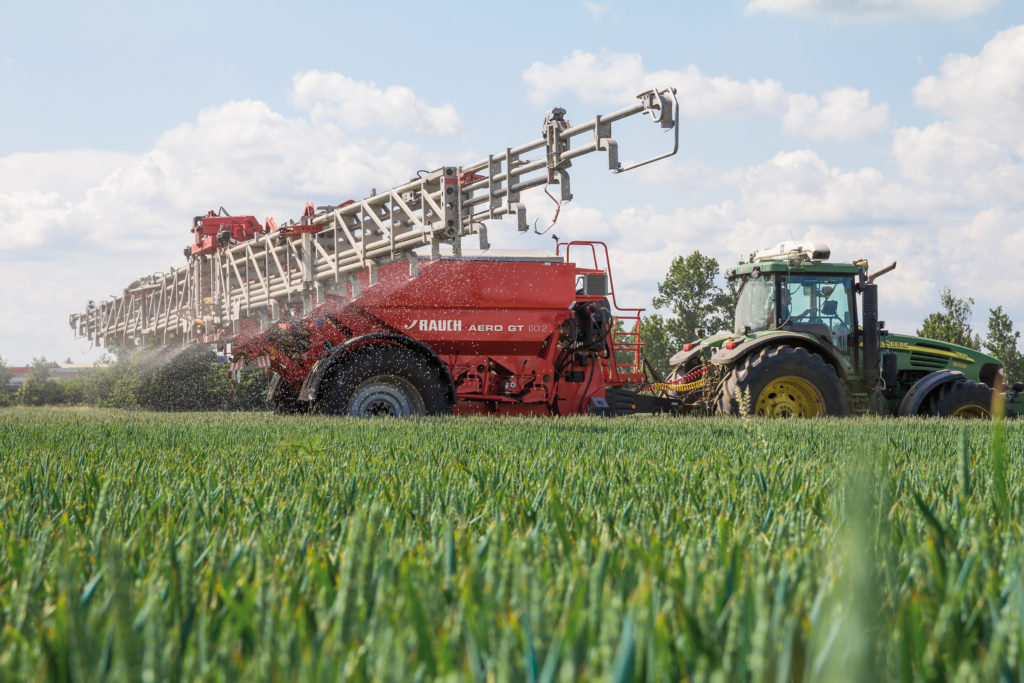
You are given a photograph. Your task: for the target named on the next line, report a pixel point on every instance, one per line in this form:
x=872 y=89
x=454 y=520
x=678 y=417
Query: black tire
x=962 y=398
x=384 y=379
x=284 y=398
x=772 y=379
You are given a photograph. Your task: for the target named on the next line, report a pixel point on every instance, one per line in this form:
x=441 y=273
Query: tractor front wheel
x=963 y=398
x=384 y=380
x=782 y=381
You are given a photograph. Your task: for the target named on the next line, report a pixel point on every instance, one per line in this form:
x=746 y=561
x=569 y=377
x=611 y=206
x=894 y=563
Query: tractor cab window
x=755 y=304
x=819 y=304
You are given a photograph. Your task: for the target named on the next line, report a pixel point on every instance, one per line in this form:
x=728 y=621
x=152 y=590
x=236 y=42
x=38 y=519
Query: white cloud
x=982 y=94
x=48 y=290
x=354 y=104
x=978 y=152
x=82 y=224
x=597 y=11
x=798 y=190
x=986 y=251
x=841 y=114
x=242 y=150
x=945 y=9
x=619 y=77
x=67 y=172
x=232 y=155
x=971 y=168
x=35 y=205
x=29 y=219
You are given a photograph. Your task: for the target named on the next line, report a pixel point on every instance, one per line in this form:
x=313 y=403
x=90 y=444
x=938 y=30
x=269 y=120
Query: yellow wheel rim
x=972 y=413
x=790 y=397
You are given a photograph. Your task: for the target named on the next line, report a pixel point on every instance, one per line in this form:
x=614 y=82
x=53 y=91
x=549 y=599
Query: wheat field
x=144 y=546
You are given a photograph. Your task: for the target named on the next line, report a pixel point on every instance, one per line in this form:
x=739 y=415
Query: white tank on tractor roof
x=783 y=251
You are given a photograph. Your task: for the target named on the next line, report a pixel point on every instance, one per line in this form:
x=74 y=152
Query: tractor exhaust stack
x=869 y=307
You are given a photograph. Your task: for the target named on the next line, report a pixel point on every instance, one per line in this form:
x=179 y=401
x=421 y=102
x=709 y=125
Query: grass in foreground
x=137 y=546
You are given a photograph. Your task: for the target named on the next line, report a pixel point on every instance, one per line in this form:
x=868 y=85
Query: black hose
x=587 y=388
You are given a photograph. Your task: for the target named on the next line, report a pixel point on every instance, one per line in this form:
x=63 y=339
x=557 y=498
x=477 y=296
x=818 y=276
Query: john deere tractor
x=803 y=347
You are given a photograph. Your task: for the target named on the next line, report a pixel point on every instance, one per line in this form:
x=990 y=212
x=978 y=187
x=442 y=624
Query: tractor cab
x=821 y=304
x=791 y=288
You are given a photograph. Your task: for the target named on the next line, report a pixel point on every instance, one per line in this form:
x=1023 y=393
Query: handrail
x=633 y=314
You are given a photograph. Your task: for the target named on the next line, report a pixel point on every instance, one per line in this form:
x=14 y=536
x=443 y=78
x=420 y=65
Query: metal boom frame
x=322 y=253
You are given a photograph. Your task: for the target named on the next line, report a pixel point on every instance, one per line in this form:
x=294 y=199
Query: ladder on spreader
x=293 y=266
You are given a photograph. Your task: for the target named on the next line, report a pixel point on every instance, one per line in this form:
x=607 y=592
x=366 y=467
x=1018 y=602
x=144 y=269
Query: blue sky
x=893 y=129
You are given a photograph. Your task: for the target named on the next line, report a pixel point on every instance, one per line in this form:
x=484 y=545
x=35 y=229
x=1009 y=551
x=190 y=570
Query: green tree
x=7 y=395
x=1001 y=342
x=657 y=346
x=35 y=392
x=953 y=323
x=39 y=370
x=39 y=389
x=694 y=298
x=6 y=374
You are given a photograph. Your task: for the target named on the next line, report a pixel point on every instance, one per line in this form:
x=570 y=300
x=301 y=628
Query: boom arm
x=247 y=282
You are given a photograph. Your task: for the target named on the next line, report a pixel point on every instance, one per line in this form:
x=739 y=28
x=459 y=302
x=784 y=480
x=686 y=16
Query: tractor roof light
x=794 y=251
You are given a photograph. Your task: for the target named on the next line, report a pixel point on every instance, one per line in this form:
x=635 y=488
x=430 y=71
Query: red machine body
x=218 y=230
x=517 y=335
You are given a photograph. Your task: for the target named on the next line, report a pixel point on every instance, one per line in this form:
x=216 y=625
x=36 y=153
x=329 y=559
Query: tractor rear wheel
x=963 y=398
x=782 y=381
x=383 y=380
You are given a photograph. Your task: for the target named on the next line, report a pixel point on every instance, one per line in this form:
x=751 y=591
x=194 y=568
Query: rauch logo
x=435 y=325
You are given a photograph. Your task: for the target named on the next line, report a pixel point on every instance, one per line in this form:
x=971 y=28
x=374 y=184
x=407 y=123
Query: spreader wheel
x=782 y=381
x=964 y=398
x=384 y=380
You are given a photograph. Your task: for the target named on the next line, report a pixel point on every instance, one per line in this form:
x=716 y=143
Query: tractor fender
x=914 y=399
x=683 y=356
x=311 y=386
x=724 y=356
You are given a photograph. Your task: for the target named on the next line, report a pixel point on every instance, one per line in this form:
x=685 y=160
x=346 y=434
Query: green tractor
x=801 y=347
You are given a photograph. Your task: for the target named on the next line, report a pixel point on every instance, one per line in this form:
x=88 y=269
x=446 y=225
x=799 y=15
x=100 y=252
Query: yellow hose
x=680 y=387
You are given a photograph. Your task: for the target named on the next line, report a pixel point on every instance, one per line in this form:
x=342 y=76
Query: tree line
x=178 y=379
x=695 y=298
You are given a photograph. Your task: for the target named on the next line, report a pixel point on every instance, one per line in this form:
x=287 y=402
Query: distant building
x=65 y=372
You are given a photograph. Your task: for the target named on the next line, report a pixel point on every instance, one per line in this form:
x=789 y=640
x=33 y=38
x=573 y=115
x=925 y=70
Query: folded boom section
x=229 y=285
